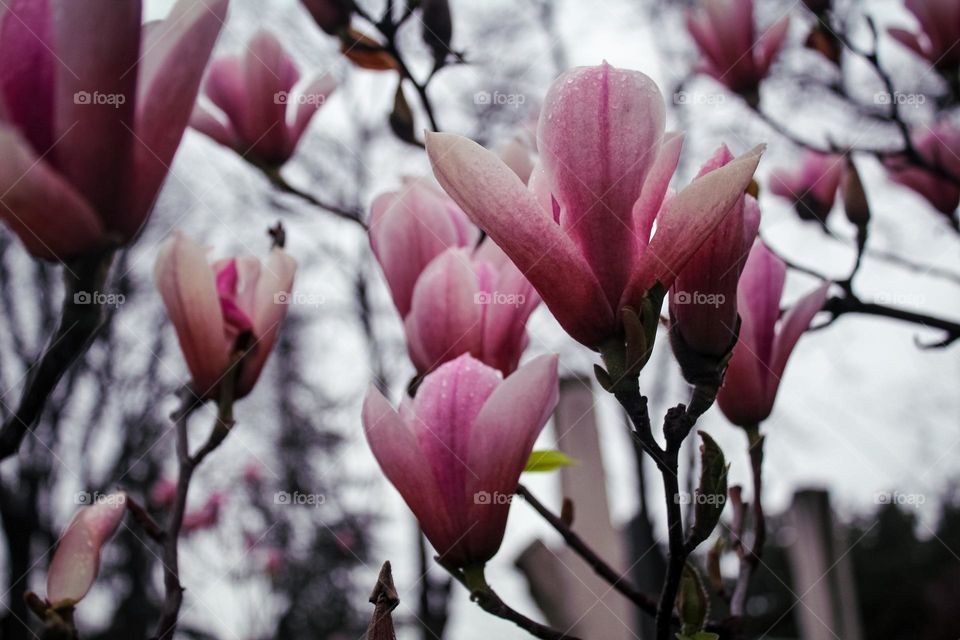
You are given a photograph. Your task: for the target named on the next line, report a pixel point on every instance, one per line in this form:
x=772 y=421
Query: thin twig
x=488 y=600
x=750 y=558
x=280 y=183
x=619 y=582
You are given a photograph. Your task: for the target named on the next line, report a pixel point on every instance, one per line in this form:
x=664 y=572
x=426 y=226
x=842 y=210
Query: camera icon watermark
x=497 y=297
x=900 y=499
x=88 y=498
x=99 y=298
x=696 y=297
x=285 y=97
x=899 y=98
x=96 y=98
x=714 y=499
x=499 y=99
x=299 y=499
x=709 y=99
x=900 y=298
x=495 y=498
x=299 y=298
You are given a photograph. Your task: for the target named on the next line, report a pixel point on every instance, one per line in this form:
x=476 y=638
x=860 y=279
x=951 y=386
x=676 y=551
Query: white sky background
x=861 y=409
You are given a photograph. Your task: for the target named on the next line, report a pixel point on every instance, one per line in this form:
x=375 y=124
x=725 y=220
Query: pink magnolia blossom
x=703 y=300
x=939 y=145
x=581 y=232
x=163 y=492
x=220 y=308
x=812 y=187
x=411 y=227
x=263 y=112
x=92 y=110
x=76 y=561
x=470 y=302
x=274 y=559
x=766 y=340
x=207 y=516
x=940 y=31
x=253 y=473
x=456 y=451
x=733 y=54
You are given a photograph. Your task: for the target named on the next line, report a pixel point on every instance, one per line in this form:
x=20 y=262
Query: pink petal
x=226 y=87
x=745 y=397
x=501 y=440
x=770 y=44
x=76 y=561
x=517 y=155
x=499 y=203
x=310 y=99
x=270 y=75
x=175 y=54
x=506 y=313
x=655 y=188
x=445 y=317
x=410 y=228
x=396 y=449
x=715 y=270
x=794 y=323
x=687 y=221
x=26 y=76
x=187 y=286
x=211 y=125
x=908 y=40
x=46 y=212
x=600 y=133
x=270 y=300
x=446 y=405
x=98 y=42
x=761 y=286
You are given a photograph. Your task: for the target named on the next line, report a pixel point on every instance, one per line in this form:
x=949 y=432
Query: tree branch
x=619 y=582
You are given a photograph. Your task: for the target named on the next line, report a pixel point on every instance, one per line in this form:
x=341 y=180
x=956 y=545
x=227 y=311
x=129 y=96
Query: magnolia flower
x=92 y=111
x=207 y=516
x=456 y=451
x=261 y=114
x=581 y=232
x=76 y=561
x=766 y=340
x=812 y=187
x=233 y=305
x=939 y=145
x=733 y=54
x=703 y=300
x=163 y=493
x=940 y=31
x=411 y=227
x=470 y=302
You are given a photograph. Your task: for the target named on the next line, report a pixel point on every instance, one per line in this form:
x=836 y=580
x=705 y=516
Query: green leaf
x=711 y=495
x=548 y=460
x=700 y=635
x=693 y=605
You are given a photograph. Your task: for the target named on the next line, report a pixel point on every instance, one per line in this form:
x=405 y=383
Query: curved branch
x=82 y=317
x=619 y=582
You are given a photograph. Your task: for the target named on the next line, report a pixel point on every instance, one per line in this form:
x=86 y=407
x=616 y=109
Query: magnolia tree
x=580 y=209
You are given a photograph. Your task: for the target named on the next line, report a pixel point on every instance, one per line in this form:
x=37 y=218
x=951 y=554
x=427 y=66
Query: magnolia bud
x=331 y=15
x=855 y=203
x=711 y=494
x=437 y=27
